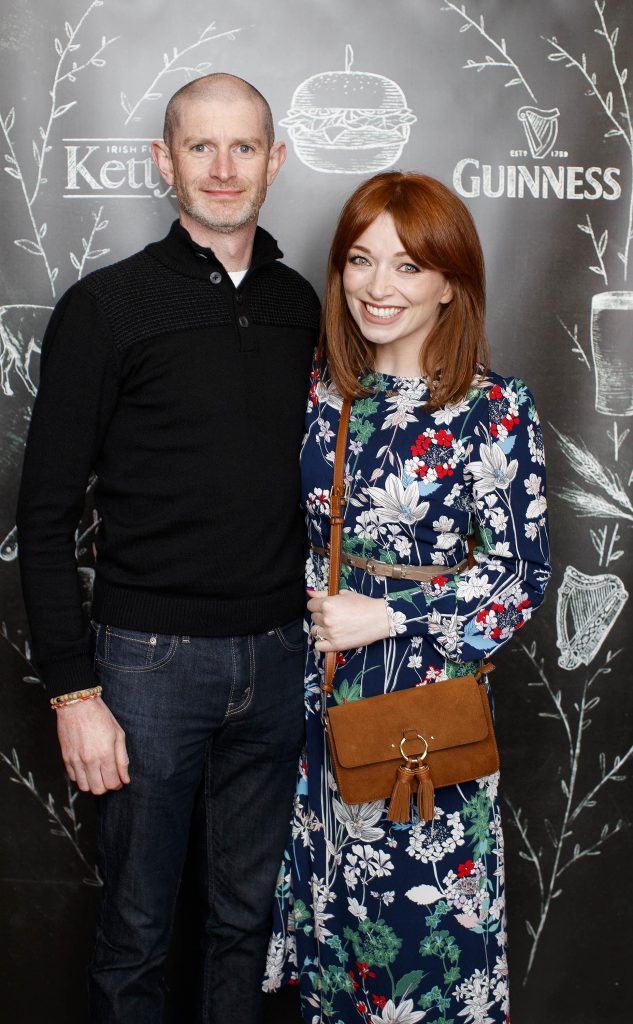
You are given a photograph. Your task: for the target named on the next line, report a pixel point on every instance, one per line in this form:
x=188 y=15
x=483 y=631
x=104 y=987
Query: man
x=179 y=376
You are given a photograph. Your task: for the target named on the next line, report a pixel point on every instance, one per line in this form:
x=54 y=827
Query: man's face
x=219 y=162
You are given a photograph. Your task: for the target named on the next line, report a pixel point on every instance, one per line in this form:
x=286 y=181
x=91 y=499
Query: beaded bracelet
x=66 y=699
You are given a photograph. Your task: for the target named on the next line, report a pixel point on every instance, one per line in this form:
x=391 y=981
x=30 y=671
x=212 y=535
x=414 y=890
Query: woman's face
x=392 y=299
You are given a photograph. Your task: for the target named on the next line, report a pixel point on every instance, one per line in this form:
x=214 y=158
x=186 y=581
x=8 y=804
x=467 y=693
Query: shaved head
x=218 y=86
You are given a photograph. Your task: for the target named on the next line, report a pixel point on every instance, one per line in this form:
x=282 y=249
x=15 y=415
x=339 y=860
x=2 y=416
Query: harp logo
x=541 y=129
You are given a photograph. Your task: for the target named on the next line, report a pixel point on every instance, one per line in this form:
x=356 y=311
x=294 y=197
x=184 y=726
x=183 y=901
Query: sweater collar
x=179 y=252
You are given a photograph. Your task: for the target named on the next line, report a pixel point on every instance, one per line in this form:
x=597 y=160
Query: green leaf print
x=454 y=671
x=375 y=943
x=347 y=692
x=388 y=556
x=408 y=982
x=365 y=406
x=434 y=998
x=302 y=915
x=334 y=942
x=362 y=430
x=486 y=538
x=477 y=811
x=334 y=979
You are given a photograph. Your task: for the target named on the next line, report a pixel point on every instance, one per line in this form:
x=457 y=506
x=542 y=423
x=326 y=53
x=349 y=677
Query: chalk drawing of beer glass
x=612 y=347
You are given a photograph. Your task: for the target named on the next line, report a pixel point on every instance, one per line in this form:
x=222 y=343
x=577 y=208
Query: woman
x=404 y=923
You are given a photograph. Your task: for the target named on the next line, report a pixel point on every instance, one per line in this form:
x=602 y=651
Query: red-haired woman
x=404 y=923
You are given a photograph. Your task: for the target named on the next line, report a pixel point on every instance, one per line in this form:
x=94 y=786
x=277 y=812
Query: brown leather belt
x=396 y=571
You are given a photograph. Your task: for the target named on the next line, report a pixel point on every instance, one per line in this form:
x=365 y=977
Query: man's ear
x=276 y=158
x=161 y=156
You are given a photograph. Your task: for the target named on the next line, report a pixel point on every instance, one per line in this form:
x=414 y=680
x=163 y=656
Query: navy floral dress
x=380 y=922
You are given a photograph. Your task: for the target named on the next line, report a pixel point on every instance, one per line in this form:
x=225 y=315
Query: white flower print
x=274 y=962
x=328 y=395
x=502 y=549
x=491 y=784
x=415 y=661
x=454 y=493
x=397 y=621
x=375 y=862
x=403 y=1013
x=447 y=630
x=368 y=526
x=468 y=891
x=402 y=546
x=533 y=484
x=431 y=842
x=448 y=412
x=396 y=504
x=318 y=502
x=492 y=471
x=401 y=407
x=471 y=586
x=531 y=531
x=355 y=447
x=356 y=909
x=325 y=431
x=475 y=992
x=535 y=443
x=498 y=520
x=360 y=819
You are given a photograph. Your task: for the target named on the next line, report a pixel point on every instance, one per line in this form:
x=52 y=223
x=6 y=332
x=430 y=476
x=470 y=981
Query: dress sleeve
x=470 y=615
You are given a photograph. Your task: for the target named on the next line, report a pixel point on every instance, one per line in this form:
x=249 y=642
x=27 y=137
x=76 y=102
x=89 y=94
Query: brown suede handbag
x=408 y=742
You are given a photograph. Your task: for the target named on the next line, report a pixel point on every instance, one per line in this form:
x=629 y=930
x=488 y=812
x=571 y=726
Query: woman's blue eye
x=357 y=260
x=410 y=268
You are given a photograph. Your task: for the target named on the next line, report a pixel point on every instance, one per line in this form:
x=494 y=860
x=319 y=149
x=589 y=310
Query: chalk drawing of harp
x=541 y=129
x=587 y=609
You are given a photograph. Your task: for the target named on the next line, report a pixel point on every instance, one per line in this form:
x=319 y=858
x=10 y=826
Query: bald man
x=179 y=376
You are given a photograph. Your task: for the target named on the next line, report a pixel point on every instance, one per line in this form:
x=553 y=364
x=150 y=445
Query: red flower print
x=379 y=1001
x=354 y=982
x=361 y=1007
x=439 y=581
x=466 y=869
x=363 y=970
x=495 y=392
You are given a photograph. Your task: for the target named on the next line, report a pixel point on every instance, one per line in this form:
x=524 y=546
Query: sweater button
x=243 y=321
x=215 y=277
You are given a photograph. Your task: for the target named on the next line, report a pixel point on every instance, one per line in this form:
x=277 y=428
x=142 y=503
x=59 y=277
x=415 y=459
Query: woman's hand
x=347 y=620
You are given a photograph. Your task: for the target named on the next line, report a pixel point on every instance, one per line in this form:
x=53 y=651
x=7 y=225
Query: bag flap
x=448 y=714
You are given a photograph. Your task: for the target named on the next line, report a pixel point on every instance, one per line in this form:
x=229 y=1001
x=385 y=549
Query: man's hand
x=93 y=746
x=347 y=620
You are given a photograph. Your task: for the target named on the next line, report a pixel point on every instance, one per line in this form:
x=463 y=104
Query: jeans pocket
x=291 y=636
x=129 y=650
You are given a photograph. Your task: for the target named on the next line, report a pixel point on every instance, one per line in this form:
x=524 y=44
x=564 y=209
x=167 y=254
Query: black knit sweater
x=186 y=396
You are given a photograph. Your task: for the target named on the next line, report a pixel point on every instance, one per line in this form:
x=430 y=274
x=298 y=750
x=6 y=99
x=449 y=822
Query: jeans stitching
x=233 y=679
x=293 y=648
x=246 y=703
x=210 y=880
x=139 y=668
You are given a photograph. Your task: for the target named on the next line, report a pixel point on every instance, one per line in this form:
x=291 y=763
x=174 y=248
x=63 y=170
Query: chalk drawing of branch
x=25 y=654
x=88 y=252
x=549 y=873
x=503 y=60
x=606 y=551
x=621 y=125
x=613 y=503
x=14 y=356
x=35 y=245
x=170 y=64
x=599 y=245
x=576 y=348
x=618 y=437
x=58 y=824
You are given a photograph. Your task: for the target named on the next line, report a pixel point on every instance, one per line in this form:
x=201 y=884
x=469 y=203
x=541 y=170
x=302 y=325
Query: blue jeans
x=229 y=711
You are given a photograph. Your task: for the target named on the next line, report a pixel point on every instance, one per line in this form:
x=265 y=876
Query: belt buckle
x=370 y=567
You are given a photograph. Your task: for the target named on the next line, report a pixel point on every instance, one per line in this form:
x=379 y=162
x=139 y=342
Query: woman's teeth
x=384 y=312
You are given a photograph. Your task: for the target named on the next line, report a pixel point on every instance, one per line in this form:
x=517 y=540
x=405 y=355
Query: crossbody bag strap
x=338 y=501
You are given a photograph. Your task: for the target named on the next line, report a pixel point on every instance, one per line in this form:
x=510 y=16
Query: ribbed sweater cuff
x=68 y=675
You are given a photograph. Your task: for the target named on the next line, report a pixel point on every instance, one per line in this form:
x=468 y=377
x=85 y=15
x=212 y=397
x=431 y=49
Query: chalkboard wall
x=525 y=109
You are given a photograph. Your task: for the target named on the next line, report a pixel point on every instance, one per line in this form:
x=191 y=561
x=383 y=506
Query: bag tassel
x=400 y=804
x=426 y=793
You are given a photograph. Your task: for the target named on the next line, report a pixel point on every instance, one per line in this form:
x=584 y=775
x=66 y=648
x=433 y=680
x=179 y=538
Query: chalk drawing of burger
x=348 y=122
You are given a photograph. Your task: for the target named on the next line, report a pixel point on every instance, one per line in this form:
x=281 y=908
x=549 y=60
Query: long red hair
x=438 y=233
